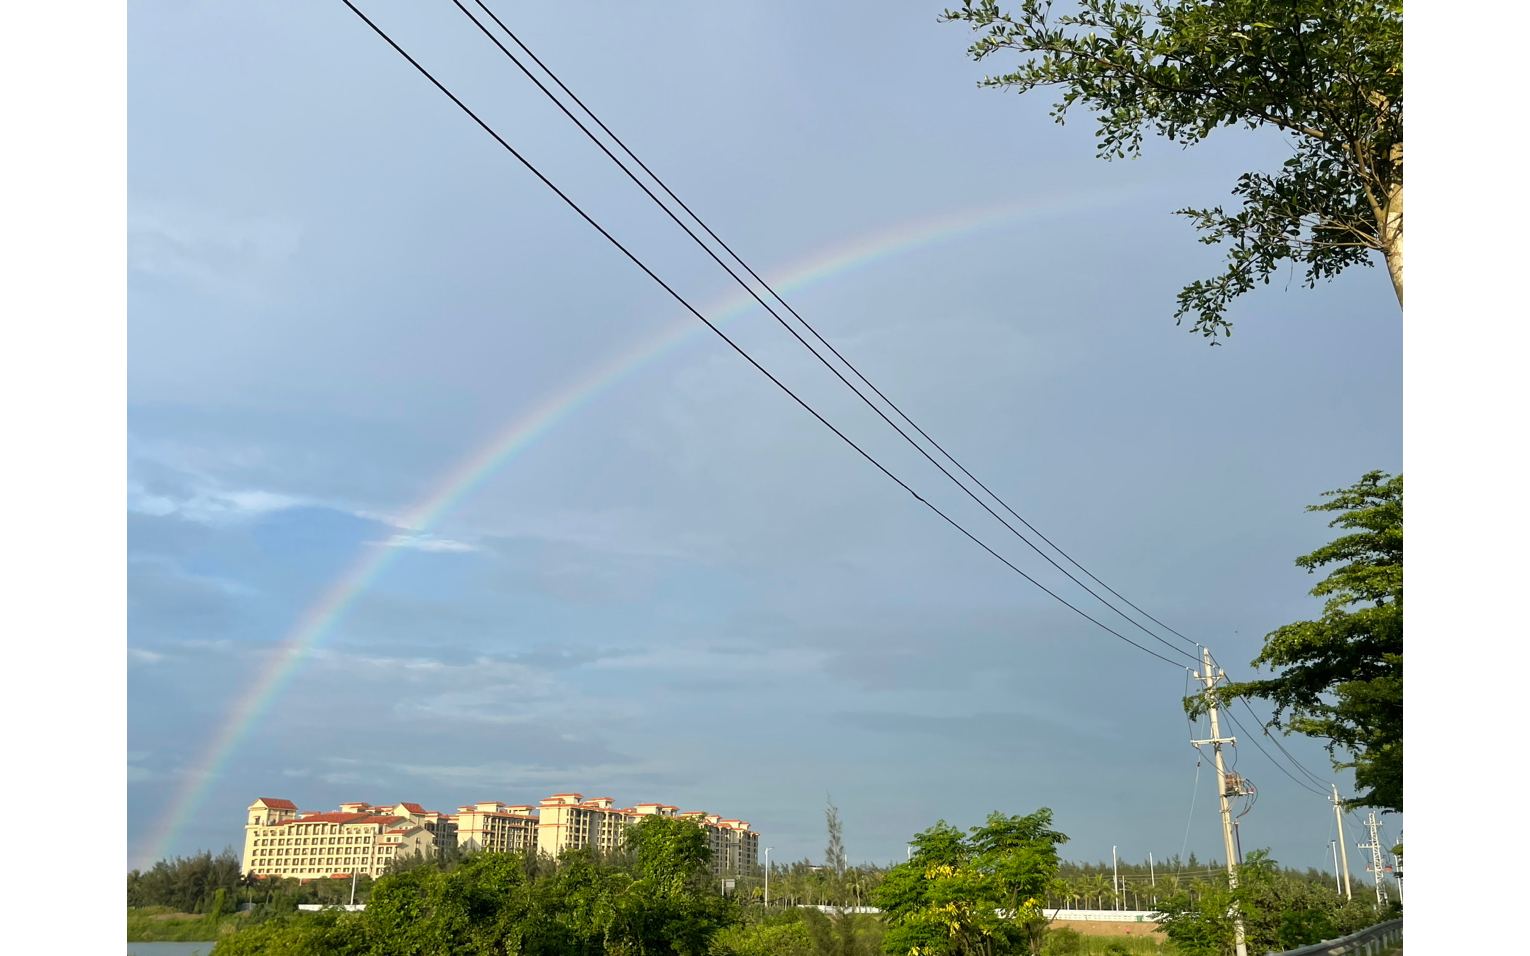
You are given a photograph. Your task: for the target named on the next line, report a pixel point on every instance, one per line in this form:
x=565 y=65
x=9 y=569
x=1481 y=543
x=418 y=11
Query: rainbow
x=523 y=431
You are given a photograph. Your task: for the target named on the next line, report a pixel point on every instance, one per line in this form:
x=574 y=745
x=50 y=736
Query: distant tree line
x=193 y=884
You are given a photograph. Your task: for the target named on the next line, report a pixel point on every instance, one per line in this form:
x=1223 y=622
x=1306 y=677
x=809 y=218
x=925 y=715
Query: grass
x=1070 y=942
x=161 y=924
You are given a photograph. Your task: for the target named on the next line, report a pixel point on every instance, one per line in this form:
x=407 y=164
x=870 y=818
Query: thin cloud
x=425 y=542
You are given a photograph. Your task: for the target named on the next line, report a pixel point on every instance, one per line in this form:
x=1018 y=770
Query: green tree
x=1326 y=73
x=1342 y=676
x=834 y=859
x=981 y=895
x=1280 y=910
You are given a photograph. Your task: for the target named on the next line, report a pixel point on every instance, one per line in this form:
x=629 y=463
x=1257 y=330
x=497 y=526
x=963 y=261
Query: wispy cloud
x=142 y=656
x=186 y=242
x=209 y=505
x=425 y=542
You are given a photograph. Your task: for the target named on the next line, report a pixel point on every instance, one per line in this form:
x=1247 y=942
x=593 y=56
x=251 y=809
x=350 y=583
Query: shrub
x=1062 y=941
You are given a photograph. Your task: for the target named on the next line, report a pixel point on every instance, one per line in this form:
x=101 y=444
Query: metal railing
x=1371 y=941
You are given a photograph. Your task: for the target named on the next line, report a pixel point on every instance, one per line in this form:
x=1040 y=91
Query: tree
x=1325 y=73
x=981 y=895
x=834 y=853
x=1342 y=677
x=1280 y=911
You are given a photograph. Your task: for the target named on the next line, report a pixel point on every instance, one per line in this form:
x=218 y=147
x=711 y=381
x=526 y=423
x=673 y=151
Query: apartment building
x=570 y=822
x=496 y=828
x=442 y=826
x=735 y=848
x=282 y=841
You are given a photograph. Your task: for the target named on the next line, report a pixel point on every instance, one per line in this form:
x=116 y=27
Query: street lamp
x=767 y=875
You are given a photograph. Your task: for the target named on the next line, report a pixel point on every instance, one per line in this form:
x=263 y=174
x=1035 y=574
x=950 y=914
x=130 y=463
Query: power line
x=1278 y=765
x=1274 y=740
x=786 y=325
x=1296 y=763
x=747 y=357
x=1194 y=792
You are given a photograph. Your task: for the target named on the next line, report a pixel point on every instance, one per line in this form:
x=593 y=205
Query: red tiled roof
x=413 y=807
x=326 y=818
x=277 y=804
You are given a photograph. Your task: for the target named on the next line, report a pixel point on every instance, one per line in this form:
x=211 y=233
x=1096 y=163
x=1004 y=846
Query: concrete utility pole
x=1343 y=847
x=1210 y=678
x=1377 y=866
x=1153 y=879
x=1334 y=846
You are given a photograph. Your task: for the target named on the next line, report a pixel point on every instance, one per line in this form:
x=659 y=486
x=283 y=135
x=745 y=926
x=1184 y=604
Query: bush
x=1062 y=941
x=759 y=939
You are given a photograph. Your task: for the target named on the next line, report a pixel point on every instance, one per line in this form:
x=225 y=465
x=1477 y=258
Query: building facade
x=283 y=842
x=496 y=828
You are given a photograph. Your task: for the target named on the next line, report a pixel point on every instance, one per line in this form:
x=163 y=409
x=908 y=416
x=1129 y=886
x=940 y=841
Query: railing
x=1371 y=941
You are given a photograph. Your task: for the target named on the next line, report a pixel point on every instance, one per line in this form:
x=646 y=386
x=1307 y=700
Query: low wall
x=1103 y=916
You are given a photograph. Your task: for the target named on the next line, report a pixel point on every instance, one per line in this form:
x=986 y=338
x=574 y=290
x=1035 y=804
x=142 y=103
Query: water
x=169 y=949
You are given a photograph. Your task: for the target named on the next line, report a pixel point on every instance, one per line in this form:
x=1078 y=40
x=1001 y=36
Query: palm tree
x=1100 y=887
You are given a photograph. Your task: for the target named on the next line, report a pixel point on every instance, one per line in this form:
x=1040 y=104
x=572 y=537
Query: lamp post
x=767 y=875
x=1115 y=878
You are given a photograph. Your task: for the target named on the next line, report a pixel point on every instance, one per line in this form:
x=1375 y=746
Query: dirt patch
x=175 y=917
x=1091 y=927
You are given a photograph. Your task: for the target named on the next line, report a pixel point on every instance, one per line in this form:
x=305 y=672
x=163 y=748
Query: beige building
x=283 y=842
x=569 y=822
x=496 y=828
x=280 y=841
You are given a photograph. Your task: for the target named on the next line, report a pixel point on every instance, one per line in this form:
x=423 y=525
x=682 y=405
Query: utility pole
x=1334 y=846
x=1376 y=865
x=1210 y=678
x=1153 y=879
x=1343 y=847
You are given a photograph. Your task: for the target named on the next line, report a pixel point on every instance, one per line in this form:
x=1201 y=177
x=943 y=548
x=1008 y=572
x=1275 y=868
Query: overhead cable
x=753 y=293
x=744 y=354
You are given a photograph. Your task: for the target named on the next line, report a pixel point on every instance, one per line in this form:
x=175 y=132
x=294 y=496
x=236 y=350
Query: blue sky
x=689 y=591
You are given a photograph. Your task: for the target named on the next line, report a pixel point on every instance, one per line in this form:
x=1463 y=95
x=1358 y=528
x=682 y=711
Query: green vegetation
x=191 y=885
x=656 y=898
x=1144 y=884
x=1343 y=673
x=982 y=894
x=1070 y=942
x=797 y=931
x=1326 y=73
x=149 y=924
x=1279 y=912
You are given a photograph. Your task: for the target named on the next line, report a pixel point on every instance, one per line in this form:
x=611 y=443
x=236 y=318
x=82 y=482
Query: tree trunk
x=1392 y=228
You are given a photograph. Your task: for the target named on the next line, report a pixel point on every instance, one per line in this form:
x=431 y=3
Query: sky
x=682 y=587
